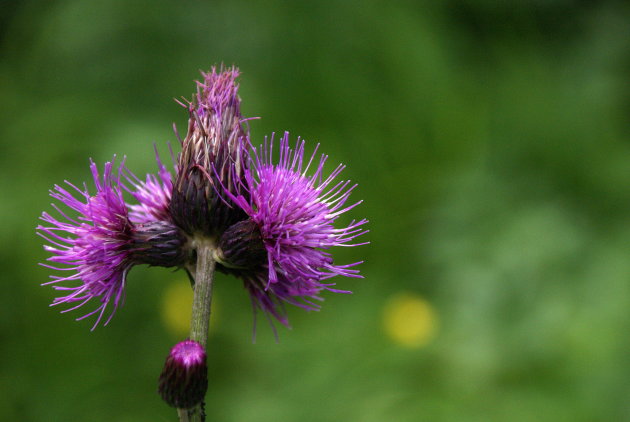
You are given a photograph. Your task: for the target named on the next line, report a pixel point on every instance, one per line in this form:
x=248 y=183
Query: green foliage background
x=491 y=144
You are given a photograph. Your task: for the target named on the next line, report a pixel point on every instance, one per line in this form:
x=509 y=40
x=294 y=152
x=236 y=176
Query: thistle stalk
x=200 y=319
x=204 y=275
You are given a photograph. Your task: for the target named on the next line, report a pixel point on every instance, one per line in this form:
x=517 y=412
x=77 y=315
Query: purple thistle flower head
x=212 y=154
x=184 y=379
x=95 y=250
x=291 y=218
x=153 y=195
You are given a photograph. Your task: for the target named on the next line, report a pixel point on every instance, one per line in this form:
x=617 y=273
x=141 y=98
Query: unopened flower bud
x=184 y=379
x=160 y=243
x=241 y=247
x=213 y=156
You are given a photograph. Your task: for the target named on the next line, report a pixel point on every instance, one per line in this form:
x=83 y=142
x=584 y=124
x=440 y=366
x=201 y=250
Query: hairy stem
x=200 y=319
x=204 y=274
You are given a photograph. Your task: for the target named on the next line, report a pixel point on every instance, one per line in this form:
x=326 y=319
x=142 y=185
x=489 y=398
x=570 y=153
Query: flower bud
x=213 y=156
x=184 y=379
x=160 y=243
x=241 y=247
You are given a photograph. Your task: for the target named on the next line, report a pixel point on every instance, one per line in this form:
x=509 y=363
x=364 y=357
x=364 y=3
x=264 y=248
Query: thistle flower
x=184 y=379
x=153 y=195
x=280 y=251
x=271 y=225
x=212 y=154
x=99 y=247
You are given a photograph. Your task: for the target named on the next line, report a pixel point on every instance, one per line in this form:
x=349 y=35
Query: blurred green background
x=491 y=144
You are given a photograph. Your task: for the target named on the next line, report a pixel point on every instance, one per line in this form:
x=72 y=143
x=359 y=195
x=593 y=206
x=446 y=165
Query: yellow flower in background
x=409 y=320
x=176 y=306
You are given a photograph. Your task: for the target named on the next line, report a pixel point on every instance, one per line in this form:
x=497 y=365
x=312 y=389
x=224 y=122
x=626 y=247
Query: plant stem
x=183 y=415
x=200 y=319
x=204 y=275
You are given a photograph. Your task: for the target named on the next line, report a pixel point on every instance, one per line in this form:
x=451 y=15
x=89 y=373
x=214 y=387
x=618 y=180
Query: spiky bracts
x=213 y=152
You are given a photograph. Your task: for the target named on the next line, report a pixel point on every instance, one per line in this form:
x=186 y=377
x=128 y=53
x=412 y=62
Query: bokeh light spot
x=176 y=306
x=409 y=320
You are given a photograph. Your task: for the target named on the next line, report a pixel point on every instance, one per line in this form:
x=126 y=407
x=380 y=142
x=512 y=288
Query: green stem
x=200 y=319
x=204 y=274
x=183 y=415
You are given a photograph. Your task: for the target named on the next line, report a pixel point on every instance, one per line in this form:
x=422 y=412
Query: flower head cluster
x=272 y=221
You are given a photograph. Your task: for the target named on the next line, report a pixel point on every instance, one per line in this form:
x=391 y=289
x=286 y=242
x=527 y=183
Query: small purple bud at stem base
x=184 y=379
